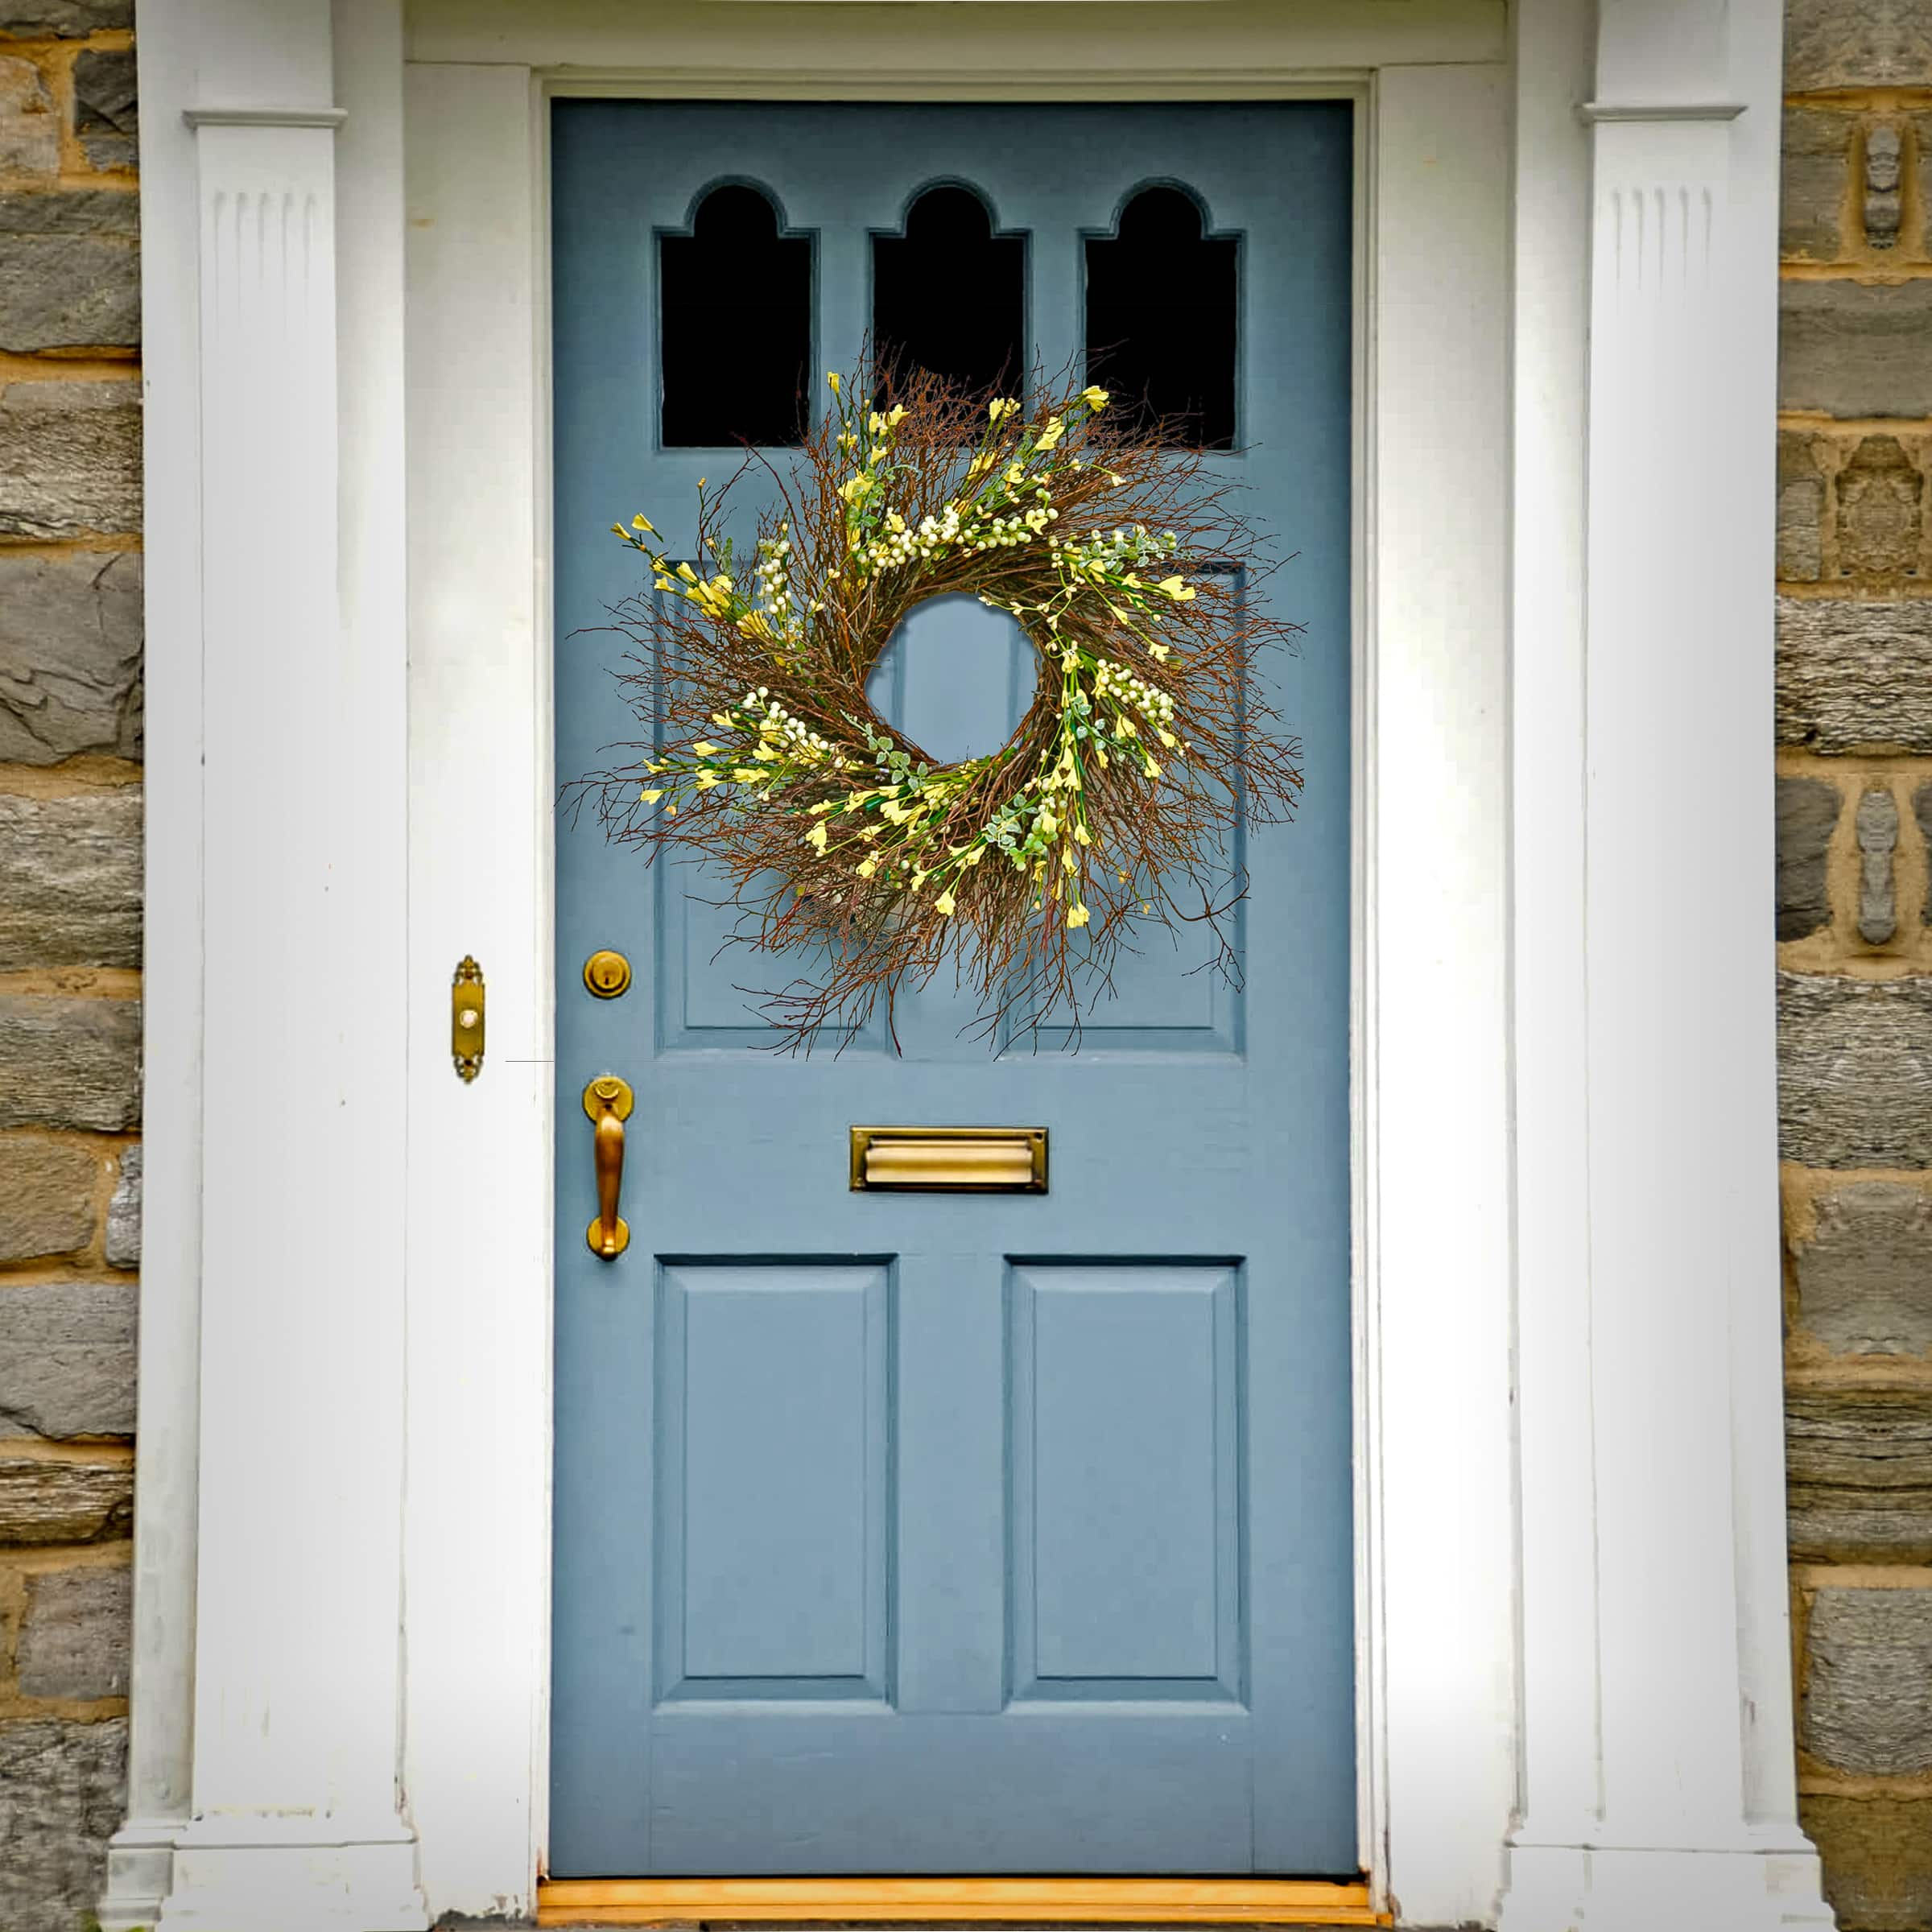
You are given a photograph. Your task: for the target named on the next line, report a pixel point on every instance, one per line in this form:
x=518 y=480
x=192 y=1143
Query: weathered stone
x=105 y=114
x=1884 y=178
x=1877 y=1854
x=66 y=1358
x=74 y=1640
x=1868 y=1702
x=1855 y=348
x=30 y=130
x=69 y=1062
x=47 y=1196
x=1922 y=814
x=1855 y=1071
x=1878 y=826
x=1859 y=1469
x=70 y=880
x=61 y=1800
x=1852 y=676
x=124 y=1214
x=63 y=19
x=1817 y=176
x=70 y=272
x=1807 y=816
x=70 y=458
x=42 y=1502
x=70 y=656
x=1864 y=1278
x=1879 y=495
x=1800 y=510
x=1856 y=43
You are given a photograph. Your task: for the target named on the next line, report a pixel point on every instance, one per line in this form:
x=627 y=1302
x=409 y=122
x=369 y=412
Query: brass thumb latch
x=607 y=1100
x=466 y=1019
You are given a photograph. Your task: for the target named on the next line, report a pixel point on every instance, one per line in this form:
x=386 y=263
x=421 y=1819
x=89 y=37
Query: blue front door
x=922 y=1533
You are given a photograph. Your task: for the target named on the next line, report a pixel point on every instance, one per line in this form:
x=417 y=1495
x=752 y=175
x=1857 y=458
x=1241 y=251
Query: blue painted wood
x=993 y=1533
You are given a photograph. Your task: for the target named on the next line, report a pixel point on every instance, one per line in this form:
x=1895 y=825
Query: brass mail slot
x=949 y=1160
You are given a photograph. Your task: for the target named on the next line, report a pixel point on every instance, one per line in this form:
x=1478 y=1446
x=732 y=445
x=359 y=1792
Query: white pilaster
x=1656 y=1739
x=282 y=1439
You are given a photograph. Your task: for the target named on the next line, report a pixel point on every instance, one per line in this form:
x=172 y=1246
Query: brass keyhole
x=607 y=974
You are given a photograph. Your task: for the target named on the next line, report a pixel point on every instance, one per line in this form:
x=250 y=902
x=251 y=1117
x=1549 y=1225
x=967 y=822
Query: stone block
x=1922 y=814
x=1800 y=510
x=70 y=880
x=1864 y=1278
x=1877 y=1854
x=1816 y=183
x=70 y=458
x=1855 y=676
x=1855 y=348
x=105 y=114
x=70 y=270
x=124 y=1214
x=70 y=657
x=1877 y=827
x=1858 y=1464
x=69 y=1062
x=30 y=129
x=74 y=1637
x=47 y=1196
x=1868 y=1701
x=63 y=19
x=1855 y=1071
x=1807 y=816
x=1856 y=43
x=42 y=1502
x=61 y=1787
x=1880 y=495
x=66 y=1358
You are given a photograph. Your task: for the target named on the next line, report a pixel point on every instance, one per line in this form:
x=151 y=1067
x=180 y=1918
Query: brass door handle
x=607 y=1100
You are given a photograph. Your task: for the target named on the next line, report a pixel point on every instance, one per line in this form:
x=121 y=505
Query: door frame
x=1428 y=209
x=1574 y=1681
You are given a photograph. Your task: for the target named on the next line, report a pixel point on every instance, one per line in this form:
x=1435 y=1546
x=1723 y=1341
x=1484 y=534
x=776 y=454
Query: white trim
x=264 y=117
x=1662 y=110
x=478 y=329
x=1466 y=406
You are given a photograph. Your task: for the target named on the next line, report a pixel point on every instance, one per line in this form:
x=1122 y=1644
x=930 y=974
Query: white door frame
x=342 y=1543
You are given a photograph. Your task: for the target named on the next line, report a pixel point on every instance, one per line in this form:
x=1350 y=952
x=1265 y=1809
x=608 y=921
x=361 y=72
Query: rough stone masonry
x=70 y=940
x=1855 y=937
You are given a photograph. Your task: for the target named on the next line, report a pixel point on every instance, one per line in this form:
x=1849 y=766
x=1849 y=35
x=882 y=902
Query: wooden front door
x=985 y=1533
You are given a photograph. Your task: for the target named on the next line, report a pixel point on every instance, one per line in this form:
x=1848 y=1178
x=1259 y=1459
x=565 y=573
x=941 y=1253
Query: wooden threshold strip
x=1145 y=1901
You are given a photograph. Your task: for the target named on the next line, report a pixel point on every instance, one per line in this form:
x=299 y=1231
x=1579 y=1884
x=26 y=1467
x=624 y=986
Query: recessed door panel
x=903 y=1532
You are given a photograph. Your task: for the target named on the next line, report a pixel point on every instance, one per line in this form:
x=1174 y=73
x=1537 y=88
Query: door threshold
x=1067 y=1901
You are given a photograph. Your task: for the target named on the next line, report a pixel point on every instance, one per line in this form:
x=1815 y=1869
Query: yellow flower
x=1068 y=862
x=855 y=489
x=980 y=464
x=704 y=748
x=651 y=798
x=662 y=584
x=867 y=866
x=686 y=571
x=1178 y=588
x=1000 y=407
x=1084 y=836
x=831 y=380
x=1077 y=916
x=944 y=904
x=643 y=522
x=747 y=774
x=1094 y=397
x=1051 y=434
x=895 y=415
x=671 y=812
x=816 y=836
x=1167 y=738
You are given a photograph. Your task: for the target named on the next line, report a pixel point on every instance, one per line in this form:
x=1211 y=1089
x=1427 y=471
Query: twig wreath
x=1111 y=807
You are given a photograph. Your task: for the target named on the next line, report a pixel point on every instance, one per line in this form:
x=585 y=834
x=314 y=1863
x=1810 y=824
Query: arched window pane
x=949 y=296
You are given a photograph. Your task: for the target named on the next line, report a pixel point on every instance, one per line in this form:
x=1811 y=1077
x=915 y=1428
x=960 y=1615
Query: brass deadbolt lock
x=607 y=974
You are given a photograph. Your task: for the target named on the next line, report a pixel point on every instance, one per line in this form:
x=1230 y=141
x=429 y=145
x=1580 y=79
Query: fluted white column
x=282 y=1401
x=1658 y=1785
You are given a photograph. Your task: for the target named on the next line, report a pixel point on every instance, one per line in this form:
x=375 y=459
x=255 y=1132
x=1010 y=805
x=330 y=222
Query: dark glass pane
x=950 y=296
x=735 y=319
x=1161 y=302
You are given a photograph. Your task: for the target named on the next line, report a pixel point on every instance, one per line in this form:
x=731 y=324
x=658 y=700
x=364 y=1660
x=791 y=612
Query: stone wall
x=1854 y=936
x=70 y=940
